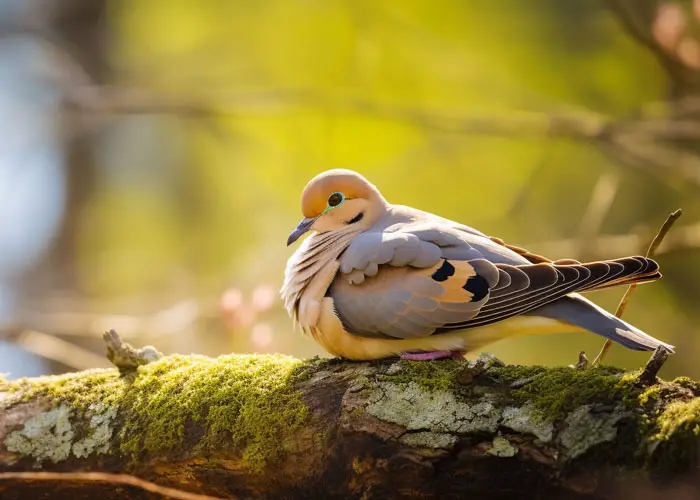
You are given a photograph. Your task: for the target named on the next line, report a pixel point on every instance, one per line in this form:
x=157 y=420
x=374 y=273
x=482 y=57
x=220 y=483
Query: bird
x=377 y=280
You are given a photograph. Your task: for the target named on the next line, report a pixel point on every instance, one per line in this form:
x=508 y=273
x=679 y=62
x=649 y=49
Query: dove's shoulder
x=456 y=239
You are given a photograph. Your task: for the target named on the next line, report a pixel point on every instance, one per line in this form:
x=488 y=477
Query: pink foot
x=432 y=355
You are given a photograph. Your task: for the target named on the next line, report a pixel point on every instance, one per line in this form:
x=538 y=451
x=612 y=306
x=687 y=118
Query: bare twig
x=651 y=251
x=126 y=357
x=123 y=479
x=657 y=360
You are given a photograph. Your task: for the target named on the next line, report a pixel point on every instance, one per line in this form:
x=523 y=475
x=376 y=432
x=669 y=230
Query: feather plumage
x=402 y=275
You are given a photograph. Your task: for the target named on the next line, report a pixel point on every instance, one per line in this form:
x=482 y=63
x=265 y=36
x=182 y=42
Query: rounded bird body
x=377 y=280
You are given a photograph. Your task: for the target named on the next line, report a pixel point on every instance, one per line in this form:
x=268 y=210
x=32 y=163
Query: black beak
x=302 y=228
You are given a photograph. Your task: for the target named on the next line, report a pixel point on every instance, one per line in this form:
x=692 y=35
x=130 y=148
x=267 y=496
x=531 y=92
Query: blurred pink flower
x=239 y=312
x=262 y=335
x=670 y=28
x=231 y=300
x=263 y=297
x=669 y=25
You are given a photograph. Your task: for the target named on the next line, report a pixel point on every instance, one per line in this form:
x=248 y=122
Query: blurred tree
x=80 y=27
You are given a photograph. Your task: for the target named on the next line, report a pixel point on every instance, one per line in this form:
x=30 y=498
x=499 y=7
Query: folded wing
x=411 y=302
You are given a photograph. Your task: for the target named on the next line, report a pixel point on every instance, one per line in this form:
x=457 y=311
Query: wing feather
x=406 y=302
x=407 y=280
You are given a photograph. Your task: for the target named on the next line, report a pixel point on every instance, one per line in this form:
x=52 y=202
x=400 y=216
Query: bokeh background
x=152 y=154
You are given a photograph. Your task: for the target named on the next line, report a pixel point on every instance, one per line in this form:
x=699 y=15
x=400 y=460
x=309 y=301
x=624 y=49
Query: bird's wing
x=416 y=245
x=428 y=281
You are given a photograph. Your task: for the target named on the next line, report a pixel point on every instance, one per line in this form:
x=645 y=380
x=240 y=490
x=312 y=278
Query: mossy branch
x=250 y=426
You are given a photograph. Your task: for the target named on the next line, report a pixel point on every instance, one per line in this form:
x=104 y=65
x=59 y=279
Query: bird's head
x=338 y=200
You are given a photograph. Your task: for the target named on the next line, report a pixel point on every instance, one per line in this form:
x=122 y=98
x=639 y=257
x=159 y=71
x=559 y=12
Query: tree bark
x=274 y=427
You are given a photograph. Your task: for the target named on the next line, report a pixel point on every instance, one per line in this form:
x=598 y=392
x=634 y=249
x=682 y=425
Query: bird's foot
x=432 y=355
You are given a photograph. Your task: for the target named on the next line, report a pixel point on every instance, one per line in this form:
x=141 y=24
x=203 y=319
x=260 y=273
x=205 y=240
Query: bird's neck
x=302 y=277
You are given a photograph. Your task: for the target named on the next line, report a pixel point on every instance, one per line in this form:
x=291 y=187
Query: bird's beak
x=302 y=228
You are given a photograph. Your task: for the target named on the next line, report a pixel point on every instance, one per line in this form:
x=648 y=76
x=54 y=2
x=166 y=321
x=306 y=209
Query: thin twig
x=657 y=360
x=582 y=363
x=126 y=357
x=630 y=289
x=105 y=477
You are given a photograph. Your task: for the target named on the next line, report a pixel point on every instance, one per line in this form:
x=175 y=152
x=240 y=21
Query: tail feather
x=579 y=311
x=634 y=270
x=628 y=280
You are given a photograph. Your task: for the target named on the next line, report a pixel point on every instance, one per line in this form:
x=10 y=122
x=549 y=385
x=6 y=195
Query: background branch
x=116 y=479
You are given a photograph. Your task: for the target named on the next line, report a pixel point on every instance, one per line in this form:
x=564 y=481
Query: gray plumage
x=385 y=299
x=377 y=279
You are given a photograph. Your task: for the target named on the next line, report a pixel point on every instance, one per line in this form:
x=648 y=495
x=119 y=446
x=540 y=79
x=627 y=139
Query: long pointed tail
x=579 y=311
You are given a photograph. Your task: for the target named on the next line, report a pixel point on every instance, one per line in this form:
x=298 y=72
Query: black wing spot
x=477 y=286
x=357 y=218
x=445 y=271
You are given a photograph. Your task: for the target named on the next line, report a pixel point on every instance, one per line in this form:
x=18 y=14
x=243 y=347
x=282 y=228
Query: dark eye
x=335 y=199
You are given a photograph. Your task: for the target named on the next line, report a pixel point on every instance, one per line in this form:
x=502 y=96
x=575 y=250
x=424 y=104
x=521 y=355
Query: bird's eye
x=335 y=199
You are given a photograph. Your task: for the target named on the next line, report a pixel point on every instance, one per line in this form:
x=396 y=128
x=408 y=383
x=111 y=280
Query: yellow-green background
x=189 y=207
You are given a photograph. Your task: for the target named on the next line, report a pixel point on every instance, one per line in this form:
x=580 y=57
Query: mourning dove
x=376 y=280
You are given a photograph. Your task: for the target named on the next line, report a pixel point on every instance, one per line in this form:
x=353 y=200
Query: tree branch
x=271 y=426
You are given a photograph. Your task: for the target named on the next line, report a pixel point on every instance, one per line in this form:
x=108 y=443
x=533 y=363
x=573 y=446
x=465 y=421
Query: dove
x=375 y=280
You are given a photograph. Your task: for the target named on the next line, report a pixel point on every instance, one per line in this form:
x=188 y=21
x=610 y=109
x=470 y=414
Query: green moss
x=554 y=392
x=247 y=401
x=679 y=418
x=551 y=392
x=688 y=383
x=673 y=438
x=651 y=396
x=78 y=390
x=440 y=375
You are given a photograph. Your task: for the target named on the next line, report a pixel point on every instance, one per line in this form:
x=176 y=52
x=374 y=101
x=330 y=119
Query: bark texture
x=276 y=427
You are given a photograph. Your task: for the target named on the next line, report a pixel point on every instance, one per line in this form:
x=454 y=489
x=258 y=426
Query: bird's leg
x=432 y=355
